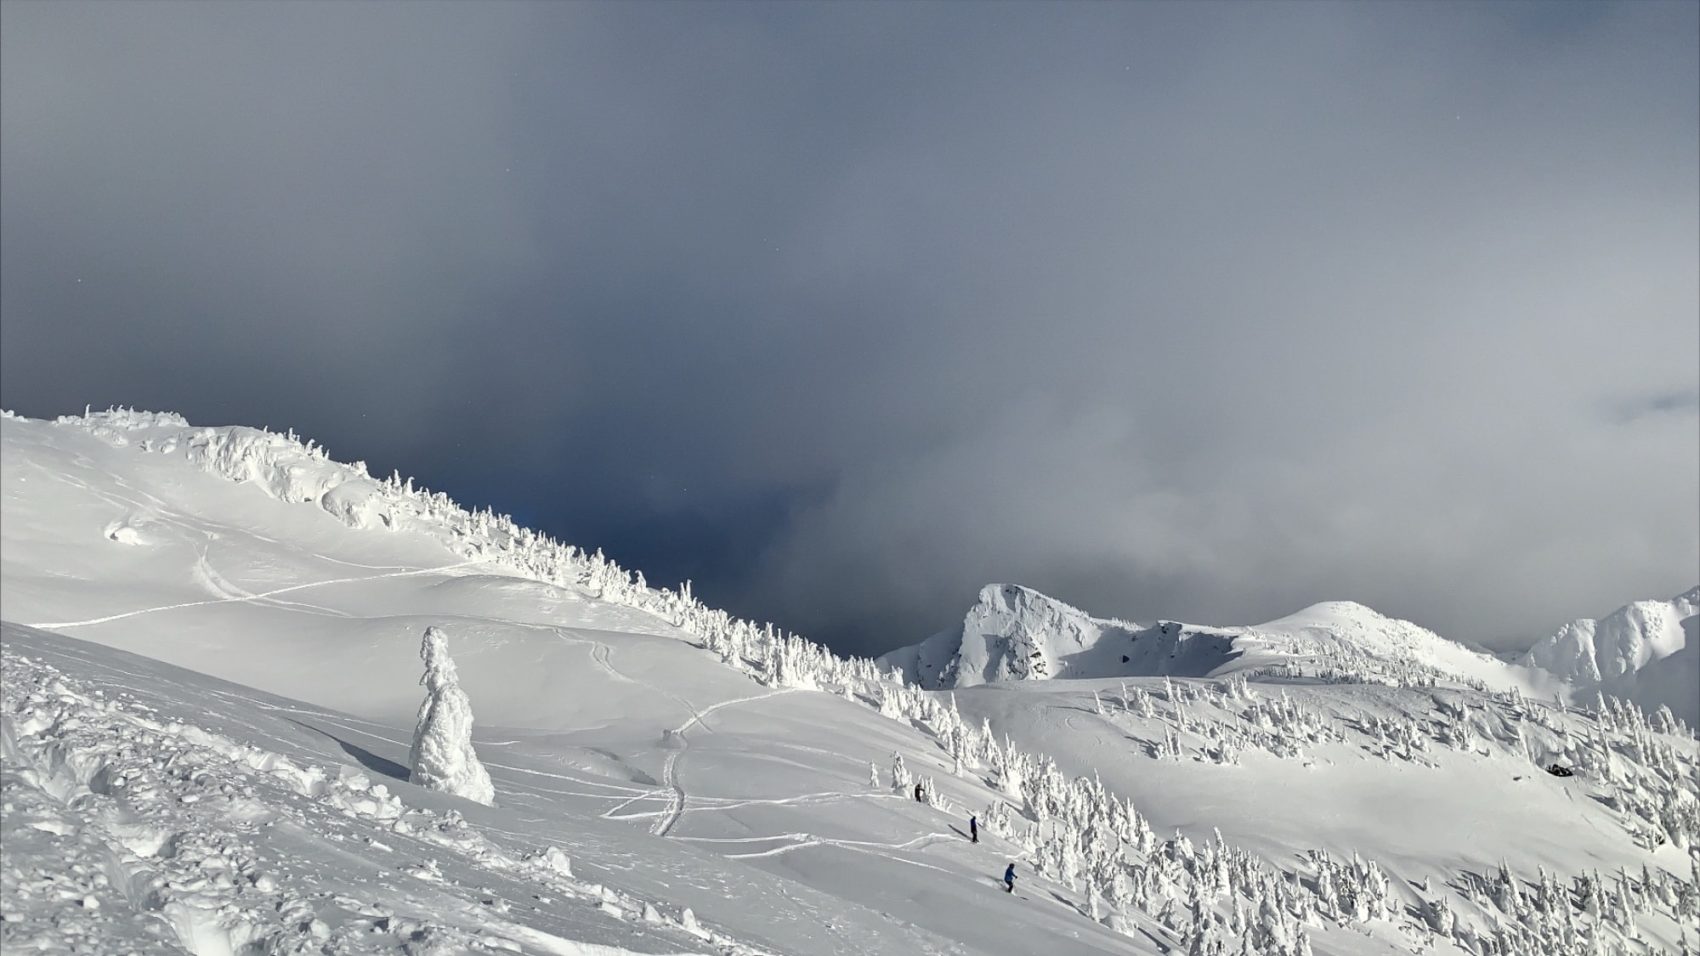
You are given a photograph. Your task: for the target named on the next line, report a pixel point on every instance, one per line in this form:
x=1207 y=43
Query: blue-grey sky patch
x=1683 y=402
x=843 y=310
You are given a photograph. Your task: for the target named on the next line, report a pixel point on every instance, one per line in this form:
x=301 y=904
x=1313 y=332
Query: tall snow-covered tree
x=442 y=757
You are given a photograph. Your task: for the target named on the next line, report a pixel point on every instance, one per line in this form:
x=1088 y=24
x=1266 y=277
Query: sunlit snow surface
x=209 y=693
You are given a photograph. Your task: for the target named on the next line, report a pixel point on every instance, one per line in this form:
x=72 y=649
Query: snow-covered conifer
x=442 y=757
x=900 y=779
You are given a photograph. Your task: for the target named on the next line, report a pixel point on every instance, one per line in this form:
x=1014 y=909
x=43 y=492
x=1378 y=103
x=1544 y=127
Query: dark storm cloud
x=1204 y=312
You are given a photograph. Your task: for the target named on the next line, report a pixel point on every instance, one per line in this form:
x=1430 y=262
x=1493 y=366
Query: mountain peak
x=1327 y=613
x=1015 y=633
x=1021 y=600
x=1646 y=651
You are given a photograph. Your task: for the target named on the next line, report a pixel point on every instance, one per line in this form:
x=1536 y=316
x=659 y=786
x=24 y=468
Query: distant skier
x=918 y=797
x=1009 y=879
x=973 y=828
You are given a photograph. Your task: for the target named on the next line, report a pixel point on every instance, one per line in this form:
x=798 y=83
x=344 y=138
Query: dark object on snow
x=1558 y=771
x=1009 y=879
x=974 y=828
x=918 y=794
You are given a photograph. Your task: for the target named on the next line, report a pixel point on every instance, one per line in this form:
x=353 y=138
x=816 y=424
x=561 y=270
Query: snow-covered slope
x=1647 y=652
x=1015 y=633
x=211 y=677
x=278 y=627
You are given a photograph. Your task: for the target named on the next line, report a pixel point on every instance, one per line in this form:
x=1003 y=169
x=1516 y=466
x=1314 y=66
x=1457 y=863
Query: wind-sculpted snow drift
x=1332 y=783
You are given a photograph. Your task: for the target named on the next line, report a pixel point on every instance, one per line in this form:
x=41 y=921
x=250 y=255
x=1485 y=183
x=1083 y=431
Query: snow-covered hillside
x=1015 y=633
x=281 y=628
x=1648 y=652
x=211 y=674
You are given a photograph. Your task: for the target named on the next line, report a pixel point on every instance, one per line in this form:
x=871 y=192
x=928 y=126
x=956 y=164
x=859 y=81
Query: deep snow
x=207 y=723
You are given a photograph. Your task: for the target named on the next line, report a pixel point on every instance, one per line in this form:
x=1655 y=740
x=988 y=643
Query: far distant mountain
x=1647 y=651
x=1016 y=633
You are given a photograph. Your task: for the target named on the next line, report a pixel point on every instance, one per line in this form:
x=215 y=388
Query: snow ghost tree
x=442 y=757
x=900 y=779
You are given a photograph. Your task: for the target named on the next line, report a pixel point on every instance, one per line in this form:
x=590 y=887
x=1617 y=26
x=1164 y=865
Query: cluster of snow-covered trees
x=1652 y=781
x=1227 y=716
x=1080 y=834
x=1331 y=666
x=1593 y=915
x=1220 y=899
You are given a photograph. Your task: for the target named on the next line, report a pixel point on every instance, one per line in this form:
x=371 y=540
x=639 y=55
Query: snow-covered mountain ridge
x=1016 y=633
x=1647 y=651
x=295 y=470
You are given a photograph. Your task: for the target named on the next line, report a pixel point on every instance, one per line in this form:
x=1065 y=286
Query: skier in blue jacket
x=1009 y=879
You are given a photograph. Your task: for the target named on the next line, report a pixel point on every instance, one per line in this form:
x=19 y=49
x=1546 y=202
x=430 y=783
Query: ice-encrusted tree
x=442 y=757
x=900 y=779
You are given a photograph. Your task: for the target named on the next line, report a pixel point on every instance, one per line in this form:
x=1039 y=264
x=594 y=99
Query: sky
x=1200 y=312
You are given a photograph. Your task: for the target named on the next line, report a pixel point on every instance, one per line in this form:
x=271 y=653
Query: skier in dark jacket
x=1009 y=879
x=973 y=828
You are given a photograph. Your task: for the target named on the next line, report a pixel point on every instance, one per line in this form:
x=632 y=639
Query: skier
x=1009 y=879
x=918 y=792
x=973 y=828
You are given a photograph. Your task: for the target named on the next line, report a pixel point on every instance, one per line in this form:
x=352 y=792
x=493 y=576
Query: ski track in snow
x=249 y=598
x=669 y=769
x=226 y=591
x=803 y=841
